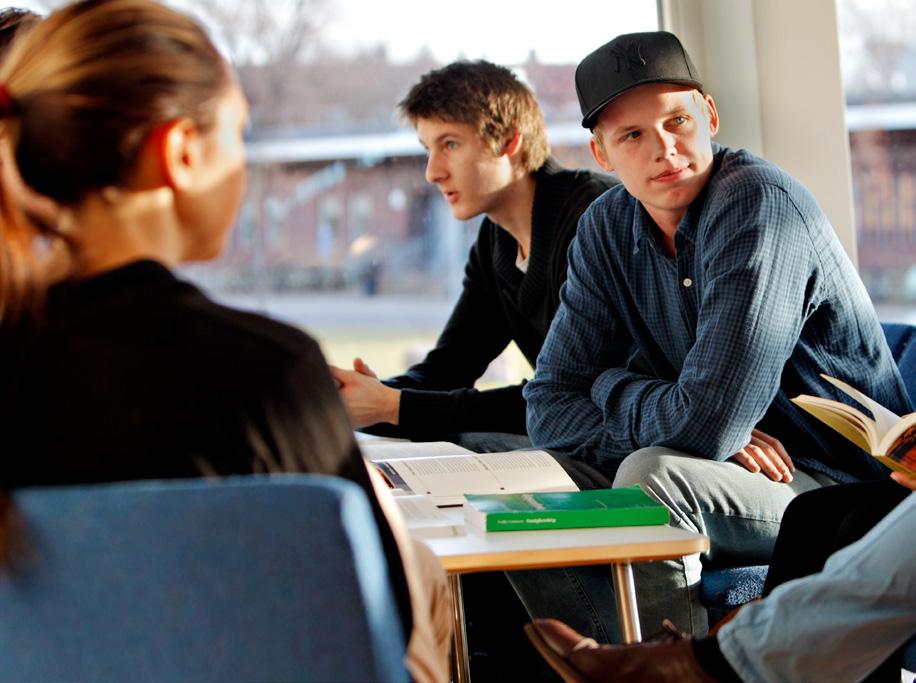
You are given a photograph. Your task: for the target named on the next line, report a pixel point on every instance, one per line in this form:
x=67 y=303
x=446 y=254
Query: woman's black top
x=135 y=374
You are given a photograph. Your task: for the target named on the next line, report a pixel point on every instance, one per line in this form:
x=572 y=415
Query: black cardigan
x=498 y=304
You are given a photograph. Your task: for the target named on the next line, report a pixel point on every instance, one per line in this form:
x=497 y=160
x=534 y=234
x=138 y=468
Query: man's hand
x=367 y=400
x=360 y=366
x=766 y=454
x=904 y=480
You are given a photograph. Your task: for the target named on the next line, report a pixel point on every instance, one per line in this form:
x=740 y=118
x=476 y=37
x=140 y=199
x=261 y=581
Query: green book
x=576 y=510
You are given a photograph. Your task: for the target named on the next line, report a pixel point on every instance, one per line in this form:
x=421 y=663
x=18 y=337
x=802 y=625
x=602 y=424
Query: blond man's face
x=657 y=138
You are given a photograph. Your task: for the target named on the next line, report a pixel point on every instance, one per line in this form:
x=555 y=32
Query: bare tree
x=876 y=36
x=265 y=39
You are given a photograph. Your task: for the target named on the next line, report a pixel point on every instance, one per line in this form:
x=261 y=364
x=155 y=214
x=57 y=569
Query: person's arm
x=839 y=624
x=760 y=286
x=584 y=338
x=429 y=414
x=584 y=401
x=476 y=332
x=436 y=396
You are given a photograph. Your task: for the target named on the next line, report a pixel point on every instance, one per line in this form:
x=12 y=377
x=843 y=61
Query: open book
x=445 y=472
x=888 y=437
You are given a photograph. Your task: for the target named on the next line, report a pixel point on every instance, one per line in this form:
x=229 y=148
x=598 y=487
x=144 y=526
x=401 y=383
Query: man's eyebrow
x=677 y=109
x=441 y=137
x=623 y=129
x=626 y=128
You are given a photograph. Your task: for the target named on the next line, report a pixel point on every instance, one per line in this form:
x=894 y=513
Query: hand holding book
x=885 y=435
x=904 y=480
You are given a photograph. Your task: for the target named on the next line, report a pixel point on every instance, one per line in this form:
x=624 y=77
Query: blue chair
x=247 y=578
x=722 y=590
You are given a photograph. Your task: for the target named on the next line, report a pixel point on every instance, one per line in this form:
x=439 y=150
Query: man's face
x=658 y=139
x=469 y=174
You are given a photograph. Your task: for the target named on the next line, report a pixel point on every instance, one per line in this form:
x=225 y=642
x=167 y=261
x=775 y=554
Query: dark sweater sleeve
x=432 y=414
x=437 y=396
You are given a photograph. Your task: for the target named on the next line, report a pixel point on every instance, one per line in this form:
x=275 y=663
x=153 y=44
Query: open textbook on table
x=445 y=472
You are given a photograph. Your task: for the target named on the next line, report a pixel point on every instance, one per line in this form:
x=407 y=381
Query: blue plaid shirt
x=693 y=352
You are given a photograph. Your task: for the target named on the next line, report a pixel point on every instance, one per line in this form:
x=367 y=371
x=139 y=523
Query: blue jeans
x=738 y=510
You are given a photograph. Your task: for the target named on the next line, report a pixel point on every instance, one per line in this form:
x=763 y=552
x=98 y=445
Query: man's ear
x=598 y=153
x=713 y=116
x=177 y=145
x=513 y=144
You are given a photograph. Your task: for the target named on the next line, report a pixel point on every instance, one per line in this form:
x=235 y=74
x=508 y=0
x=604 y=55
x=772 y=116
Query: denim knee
x=648 y=465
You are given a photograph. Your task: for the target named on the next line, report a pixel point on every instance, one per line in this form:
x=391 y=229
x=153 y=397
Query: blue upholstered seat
x=902 y=340
x=247 y=578
x=724 y=589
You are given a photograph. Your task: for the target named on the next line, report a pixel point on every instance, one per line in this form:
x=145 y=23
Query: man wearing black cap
x=722 y=274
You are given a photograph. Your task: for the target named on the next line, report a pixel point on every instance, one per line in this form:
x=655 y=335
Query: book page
x=409 y=450
x=846 y=420
x=446 y=479
x=362 y=438
x=425 y=520
x=899 y=446
x=884 y=418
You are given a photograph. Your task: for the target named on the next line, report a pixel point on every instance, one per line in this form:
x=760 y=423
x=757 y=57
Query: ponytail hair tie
x=7 y=106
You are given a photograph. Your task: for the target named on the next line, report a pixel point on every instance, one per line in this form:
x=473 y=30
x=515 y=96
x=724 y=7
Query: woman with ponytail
x=122 y=157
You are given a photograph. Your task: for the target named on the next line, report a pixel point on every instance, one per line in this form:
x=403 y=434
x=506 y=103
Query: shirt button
x=687 y=282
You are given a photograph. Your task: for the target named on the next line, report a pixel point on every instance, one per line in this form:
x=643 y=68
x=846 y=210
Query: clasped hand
x=367 y=400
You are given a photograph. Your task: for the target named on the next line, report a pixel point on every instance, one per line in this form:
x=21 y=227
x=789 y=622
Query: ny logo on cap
x=628 y=55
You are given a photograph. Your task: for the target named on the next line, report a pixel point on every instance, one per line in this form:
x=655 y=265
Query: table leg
x=625 y=592
x=461 y=672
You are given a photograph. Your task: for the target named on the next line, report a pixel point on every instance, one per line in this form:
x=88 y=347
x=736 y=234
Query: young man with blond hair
x=487 y=149
x=722 y=273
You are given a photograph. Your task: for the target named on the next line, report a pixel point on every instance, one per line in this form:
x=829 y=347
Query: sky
x=503 y=31
x=499 y=30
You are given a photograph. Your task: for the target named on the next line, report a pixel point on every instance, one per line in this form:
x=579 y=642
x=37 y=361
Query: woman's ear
x=167 y=157
x=176 y=146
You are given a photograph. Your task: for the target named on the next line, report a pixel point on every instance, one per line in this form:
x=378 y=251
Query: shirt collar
x=644 y=227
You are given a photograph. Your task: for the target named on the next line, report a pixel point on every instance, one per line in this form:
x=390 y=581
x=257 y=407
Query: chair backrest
x=902 y=340
x=246 y=578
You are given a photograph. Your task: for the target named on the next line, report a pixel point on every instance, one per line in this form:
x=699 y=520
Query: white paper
x=425 y=520
x=446 y=479
x=409 y=450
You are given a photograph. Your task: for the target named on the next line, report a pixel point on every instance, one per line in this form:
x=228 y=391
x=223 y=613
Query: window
x=879 y=74
x=340 y=233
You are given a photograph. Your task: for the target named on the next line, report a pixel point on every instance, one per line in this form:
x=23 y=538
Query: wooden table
x=619 y=546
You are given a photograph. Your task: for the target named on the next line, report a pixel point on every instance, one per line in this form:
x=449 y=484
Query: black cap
x=627 y=61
